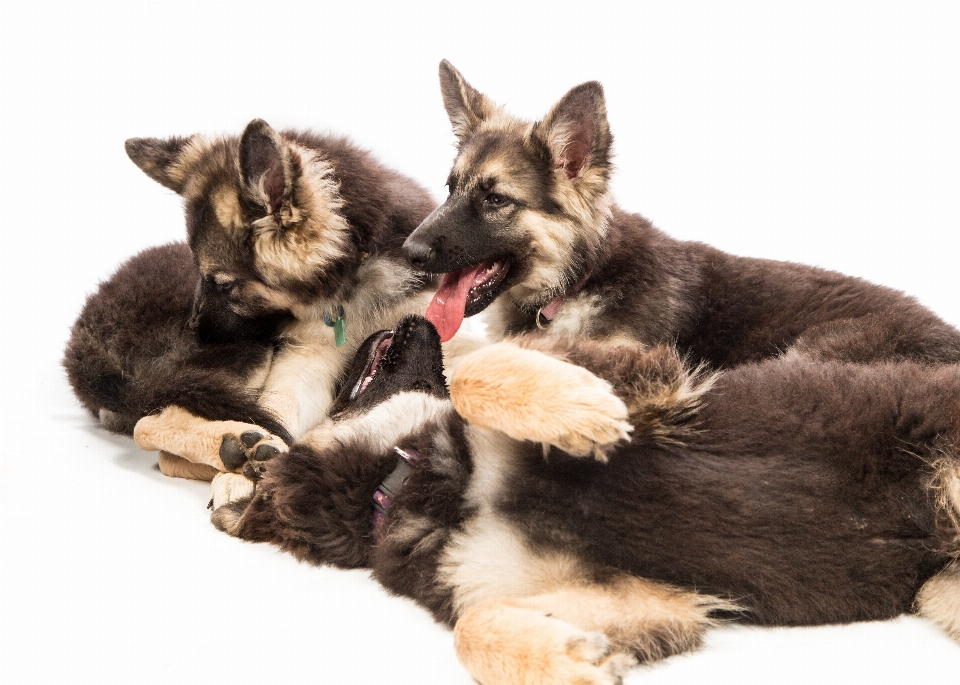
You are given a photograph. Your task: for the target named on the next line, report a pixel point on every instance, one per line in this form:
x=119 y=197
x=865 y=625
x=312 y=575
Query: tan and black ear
x=265 y=166
x=576 y=130
x=159 y=159
x=466 y=106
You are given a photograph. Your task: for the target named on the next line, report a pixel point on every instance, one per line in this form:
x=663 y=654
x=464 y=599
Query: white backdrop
x=820 y=133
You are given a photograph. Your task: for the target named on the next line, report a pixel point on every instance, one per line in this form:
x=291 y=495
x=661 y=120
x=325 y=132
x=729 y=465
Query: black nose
x=417 y=252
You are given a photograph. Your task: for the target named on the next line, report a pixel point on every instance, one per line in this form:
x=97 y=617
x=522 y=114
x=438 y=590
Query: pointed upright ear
x=465 y=105
x=576 y=130
x=265 y=166
x=159 y=159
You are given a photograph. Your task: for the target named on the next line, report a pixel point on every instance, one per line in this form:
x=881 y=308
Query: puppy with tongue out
x=525 y=221
x=464 y=293
x=530 y=230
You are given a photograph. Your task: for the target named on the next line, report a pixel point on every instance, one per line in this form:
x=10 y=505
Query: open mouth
x=373 y=365
x=465 y=293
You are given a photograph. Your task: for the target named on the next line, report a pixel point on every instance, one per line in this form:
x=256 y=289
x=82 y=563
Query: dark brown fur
x=516 y=185
x=131 y=351
x=202 y=327
x=800 y=491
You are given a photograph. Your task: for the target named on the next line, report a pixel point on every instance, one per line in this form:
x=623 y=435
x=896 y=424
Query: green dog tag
x=338 y=324
x=339 y=331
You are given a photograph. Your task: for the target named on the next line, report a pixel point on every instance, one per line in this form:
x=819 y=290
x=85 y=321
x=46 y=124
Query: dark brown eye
x=225 y=287
x=495 y=200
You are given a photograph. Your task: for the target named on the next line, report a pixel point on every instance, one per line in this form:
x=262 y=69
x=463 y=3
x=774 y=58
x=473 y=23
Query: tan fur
x=279 y=298
x=304 y=373
x=230 y=487
x=495 y=468
x=659 y=401
x=312 y=233
x=586 y=202
x=939 y=600
x=467 y=108
x=531 y=396
x=302 y=376
x=178 y=431
x=200 y=154
x=490 y=559
x=552 y=241
x=503 y=644
x=181 y=170
x=227 y=206
x=582 y=632
x=178 y=467
x=947 y=486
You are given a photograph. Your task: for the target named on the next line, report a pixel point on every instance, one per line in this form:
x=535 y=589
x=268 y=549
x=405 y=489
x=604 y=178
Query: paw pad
x=238 y=453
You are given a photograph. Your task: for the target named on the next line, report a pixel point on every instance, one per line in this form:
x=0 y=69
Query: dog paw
x=230 y=488
x=224 y=445
x=247 y=452
x=589 y=659
x=230 y=494
x=532 y=396
x=506 y=645
x=591 y=423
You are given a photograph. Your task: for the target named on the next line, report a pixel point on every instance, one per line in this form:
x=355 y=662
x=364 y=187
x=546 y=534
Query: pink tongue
x=446 y=309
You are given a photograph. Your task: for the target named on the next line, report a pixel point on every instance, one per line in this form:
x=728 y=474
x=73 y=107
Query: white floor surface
x=822 y=133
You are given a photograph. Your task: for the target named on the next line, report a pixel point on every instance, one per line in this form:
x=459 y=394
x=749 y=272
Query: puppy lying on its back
x=235 y=345
x=779 y=493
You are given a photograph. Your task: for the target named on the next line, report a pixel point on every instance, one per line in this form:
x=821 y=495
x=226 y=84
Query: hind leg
x=222 y=445
x=939 y=600
x=589 y=633
x=177 y=467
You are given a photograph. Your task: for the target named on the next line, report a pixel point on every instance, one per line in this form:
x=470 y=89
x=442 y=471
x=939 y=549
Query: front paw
x=532 y=396
x=247 y=452
x=230 y=495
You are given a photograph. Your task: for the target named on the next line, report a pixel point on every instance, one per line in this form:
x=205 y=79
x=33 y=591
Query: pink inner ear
x=576 y=152
x=273 y=186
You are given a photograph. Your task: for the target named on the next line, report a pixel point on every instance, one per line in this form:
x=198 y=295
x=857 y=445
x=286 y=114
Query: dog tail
x=135 y=316
x=98 y=381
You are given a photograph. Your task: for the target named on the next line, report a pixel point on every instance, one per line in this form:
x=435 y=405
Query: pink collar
x=388 y=489
x=548 y=312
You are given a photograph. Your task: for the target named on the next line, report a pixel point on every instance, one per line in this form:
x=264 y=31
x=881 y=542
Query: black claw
x=232 y=453
x=210 y=504
x=250 y=438
x=265 y=452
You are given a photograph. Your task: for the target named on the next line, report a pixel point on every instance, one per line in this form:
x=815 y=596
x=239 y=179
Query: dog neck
x=547 y=313
x=388 y=489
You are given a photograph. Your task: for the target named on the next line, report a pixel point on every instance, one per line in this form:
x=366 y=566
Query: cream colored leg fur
x=178 y=467
x=580 y=633
x=197 y=440
x=529 y=395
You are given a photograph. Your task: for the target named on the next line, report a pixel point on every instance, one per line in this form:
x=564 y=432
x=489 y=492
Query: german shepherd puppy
x=530 y=229
x=777 y=493
x=234 y=344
